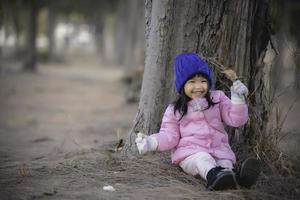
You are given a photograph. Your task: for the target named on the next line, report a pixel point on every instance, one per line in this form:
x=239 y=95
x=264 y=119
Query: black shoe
x=220 y=179
x=249 y=172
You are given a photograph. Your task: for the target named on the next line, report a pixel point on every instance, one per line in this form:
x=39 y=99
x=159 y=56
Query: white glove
x=238 y=92
x=145 y=143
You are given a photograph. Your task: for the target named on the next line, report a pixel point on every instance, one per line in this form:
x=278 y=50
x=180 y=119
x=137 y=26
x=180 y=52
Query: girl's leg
x=199 y=163
x=227 y=164
x=205 y=165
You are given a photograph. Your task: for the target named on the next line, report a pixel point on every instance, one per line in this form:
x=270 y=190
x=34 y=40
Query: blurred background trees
x=50 y=30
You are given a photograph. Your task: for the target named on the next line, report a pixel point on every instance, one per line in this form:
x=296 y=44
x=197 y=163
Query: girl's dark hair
x=180 y=104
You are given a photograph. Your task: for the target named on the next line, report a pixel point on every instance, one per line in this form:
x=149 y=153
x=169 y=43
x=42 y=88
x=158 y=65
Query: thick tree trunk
x=231 y=32
x=156 y=86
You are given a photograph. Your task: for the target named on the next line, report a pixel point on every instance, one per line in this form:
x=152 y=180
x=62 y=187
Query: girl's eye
x=191 y=81
x=204 y=81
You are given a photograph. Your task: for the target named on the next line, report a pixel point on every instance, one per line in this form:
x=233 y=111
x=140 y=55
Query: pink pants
x=201 y=162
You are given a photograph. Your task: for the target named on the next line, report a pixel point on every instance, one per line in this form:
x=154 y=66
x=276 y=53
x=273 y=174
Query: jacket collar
x=198 y=104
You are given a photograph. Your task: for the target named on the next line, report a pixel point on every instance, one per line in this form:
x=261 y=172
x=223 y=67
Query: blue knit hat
x=189 y=64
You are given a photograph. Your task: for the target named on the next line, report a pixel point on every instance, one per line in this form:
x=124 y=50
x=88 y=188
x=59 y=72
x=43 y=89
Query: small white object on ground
x=109 y=188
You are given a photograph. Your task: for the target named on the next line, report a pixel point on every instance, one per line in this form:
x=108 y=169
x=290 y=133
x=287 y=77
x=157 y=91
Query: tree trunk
x=231 y=32
x=30 y=62
x=135 y=53
x=134 y=41
x=100 y=41
x=297 y=69
x=294 y=14
x=121 y=33
x=52 y=14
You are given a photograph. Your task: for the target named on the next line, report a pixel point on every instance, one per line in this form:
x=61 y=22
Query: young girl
x=192 y=127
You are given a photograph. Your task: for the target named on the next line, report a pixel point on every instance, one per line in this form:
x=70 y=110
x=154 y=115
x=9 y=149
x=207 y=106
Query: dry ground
x=58 y=128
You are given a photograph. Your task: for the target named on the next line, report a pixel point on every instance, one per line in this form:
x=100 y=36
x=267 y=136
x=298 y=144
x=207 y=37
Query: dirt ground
x=58 y=131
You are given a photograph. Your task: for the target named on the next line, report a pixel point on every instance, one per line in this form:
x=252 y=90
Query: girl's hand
x=238 y=92
x=145 y=143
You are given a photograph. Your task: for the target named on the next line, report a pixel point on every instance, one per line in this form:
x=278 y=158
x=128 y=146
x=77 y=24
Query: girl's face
x=196 y=87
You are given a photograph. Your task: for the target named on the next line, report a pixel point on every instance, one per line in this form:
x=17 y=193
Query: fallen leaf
x=230 y=74
x=23 y=171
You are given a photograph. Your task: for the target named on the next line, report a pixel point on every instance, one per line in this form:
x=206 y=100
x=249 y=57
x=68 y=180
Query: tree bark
x=231 y=32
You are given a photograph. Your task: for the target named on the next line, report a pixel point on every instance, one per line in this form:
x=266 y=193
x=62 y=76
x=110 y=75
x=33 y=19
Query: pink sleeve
x=234 y=115
x=168 y=135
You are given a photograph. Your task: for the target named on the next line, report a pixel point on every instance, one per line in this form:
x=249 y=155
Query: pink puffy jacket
x=201 y=130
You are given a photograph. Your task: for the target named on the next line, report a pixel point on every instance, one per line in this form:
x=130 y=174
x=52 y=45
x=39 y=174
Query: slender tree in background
x=13 y=17
x=120 y=33
x=51 y=23
x=31 y=58
x=130 y=44
x=294 y=14
x=135 y=36
x=230 y=33
x=130 y=34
